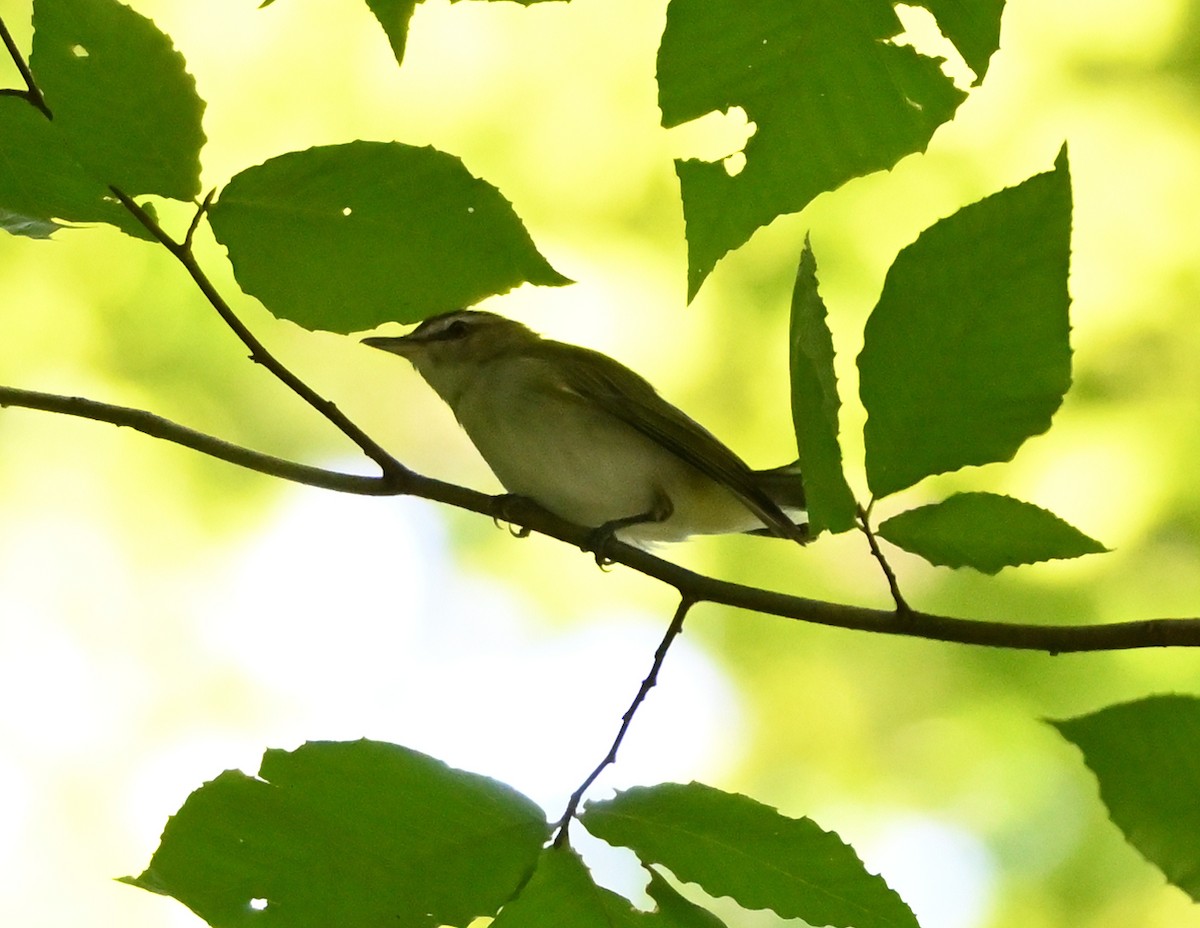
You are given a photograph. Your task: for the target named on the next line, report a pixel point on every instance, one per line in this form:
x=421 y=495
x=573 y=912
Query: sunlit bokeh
x=164 y=617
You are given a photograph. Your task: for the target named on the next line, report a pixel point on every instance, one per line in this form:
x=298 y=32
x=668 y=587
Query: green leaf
x=831 y=97
x=346 y=237
x=394 y=16
x=562 y=894
x=41 y=181
x=986 y=531
x=733 y=846
x=675 y=910
x=815 y=405
x=355 y=833
x=121 y=96
x=967 y=352
x=1143 y=754
x=973 y=26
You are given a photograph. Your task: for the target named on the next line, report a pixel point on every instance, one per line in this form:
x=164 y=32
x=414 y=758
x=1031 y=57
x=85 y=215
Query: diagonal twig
x=182 y=252
x=673 y=630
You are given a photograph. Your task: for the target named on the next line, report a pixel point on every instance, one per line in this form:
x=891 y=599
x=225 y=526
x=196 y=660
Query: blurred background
x=164 y=617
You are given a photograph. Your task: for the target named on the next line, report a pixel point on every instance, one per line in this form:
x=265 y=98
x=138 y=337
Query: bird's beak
x=396 y=344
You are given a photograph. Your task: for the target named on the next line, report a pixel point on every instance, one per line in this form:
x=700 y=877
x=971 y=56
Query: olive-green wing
x=630 y=398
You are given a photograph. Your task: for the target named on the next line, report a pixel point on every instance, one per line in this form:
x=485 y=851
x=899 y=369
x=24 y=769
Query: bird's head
x=464 y=336
x=450 y=349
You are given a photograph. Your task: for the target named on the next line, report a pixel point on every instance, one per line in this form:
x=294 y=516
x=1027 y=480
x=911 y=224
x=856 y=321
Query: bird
x=590 y=440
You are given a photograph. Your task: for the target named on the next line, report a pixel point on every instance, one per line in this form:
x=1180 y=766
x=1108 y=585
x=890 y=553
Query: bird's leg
x=601 y=537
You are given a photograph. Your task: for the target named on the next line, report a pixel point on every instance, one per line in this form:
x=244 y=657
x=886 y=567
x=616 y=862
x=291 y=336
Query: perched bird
x=588 y=439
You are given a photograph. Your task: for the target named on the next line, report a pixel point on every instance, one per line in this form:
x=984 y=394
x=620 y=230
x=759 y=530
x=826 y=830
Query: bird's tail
x=786 y=487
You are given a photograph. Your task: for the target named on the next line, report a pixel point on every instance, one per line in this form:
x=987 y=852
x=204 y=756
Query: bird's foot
x=508 y=509
x=599 y=541
x=602 y=538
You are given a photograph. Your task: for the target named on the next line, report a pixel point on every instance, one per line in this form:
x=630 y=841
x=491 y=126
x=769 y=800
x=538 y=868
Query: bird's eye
x=456 y=329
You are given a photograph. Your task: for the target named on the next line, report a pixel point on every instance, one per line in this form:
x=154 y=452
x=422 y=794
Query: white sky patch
x=957 y=892
x=352 y=619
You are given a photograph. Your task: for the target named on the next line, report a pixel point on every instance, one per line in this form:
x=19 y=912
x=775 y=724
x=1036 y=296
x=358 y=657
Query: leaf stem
x=201 y=210
x=864 y=523
x=673 y=630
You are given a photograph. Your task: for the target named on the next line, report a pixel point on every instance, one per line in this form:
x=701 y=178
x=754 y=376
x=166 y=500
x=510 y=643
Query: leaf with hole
x=347 y=833
x=346 y=237
x=121 y=96
x=830 y=92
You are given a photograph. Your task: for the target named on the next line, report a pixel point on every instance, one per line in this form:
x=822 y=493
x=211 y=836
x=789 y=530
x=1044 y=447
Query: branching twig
x=182 y=250
x=259 y=354
x=1054 y=639
x=610 y=758
x=864 y=523
x=33 y=93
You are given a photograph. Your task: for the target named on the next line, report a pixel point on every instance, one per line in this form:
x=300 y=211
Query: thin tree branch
x=158 y=427
x=258 y=353
x=697 y=588
x=33 y=93
x=610 y=758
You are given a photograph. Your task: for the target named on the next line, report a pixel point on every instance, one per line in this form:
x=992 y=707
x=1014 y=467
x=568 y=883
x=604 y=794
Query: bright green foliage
x=732 y=846
x=41 y=180
x=1144 y=756
x=967 y=353
x=815 y=405
x=359 y=833
x=120 y=94
x=831 y=97
x=986 y=531
x=346 y=237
